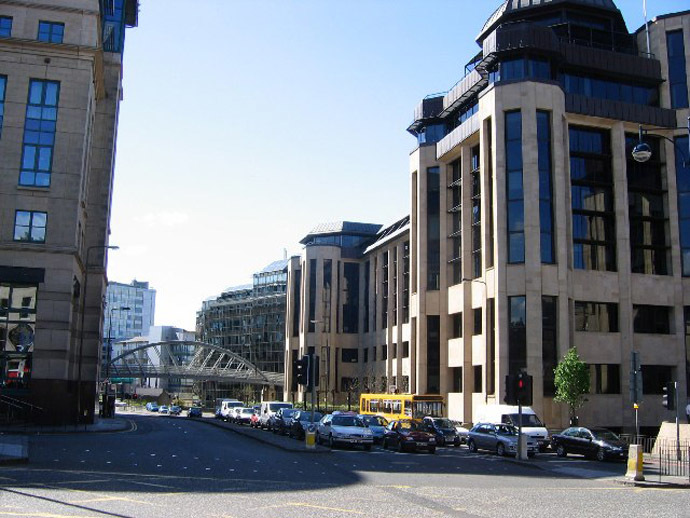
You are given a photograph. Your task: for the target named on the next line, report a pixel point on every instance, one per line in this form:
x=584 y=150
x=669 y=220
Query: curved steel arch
x=201 y=361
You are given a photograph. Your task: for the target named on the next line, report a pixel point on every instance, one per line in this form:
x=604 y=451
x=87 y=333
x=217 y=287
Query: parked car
x=409 y=434
x=508 y=414
x=194 y=411
x=152 y=407
x=299 y=422
x=164 y=410
x=499 y=438
x=463 y=430
x=377 y=424
x=175 y=410
x=268 y=410
x=244 y=415
x=344 y=428
x=280 y=422
x=593 y=443
x=444 y=429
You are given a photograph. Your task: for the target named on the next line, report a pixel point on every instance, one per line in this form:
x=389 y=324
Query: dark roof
x=510 y=6
x=350 y=228
x=276 y=266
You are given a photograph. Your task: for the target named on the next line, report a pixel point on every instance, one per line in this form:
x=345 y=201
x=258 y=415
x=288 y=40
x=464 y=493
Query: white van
x=268 y=410
x=225 y=408
x=508 y=414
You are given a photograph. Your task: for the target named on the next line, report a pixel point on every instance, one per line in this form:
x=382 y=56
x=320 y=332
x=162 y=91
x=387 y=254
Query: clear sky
x=246 y=123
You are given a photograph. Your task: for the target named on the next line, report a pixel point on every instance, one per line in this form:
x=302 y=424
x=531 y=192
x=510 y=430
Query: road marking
x=110 y=499
x=43 y=515
x=311 y=506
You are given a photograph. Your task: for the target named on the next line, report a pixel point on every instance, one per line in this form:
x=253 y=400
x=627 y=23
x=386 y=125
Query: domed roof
x=511 y=6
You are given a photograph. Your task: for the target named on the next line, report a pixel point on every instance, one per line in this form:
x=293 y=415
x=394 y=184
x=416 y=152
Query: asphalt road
x=174 y=467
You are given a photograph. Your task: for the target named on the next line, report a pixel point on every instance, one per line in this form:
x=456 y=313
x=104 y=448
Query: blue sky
x=246 y=123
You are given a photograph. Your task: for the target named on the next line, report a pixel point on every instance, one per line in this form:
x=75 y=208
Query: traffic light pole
x=675 y=385
x=519 y=448
x=312 y=375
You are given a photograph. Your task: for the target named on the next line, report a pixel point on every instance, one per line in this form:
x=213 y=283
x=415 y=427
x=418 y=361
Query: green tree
x=572 y=382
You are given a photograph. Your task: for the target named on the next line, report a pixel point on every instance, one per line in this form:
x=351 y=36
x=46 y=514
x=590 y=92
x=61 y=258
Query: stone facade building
x=532 y=228
x=60 y=89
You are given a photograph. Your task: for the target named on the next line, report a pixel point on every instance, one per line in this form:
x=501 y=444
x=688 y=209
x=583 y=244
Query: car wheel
x=472 y=447
x=500 y=449
x=400 y=447
x=457 y=444
x=601 y=455
x=432 y=450
x=318 y=439
x=331 y=443
x=385 y=444
x=560 y=451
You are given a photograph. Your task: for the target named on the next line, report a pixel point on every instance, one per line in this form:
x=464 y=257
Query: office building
x=532 y=227
x=60 y=90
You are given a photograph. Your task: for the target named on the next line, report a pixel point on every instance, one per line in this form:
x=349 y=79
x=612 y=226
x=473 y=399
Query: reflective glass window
x=52 y=32
x=677 y=72
x=5 y=26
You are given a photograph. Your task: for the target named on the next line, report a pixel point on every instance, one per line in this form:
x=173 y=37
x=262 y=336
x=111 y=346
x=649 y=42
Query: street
x=167 y=466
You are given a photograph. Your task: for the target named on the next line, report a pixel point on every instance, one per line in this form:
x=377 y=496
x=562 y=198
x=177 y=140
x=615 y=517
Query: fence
x=663 y=457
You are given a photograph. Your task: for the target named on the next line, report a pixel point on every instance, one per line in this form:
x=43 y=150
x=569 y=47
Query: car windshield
x=444 y=424
x=506 y=430
x=306 y=416
x=247 y=410
x=605 y=435
x=374 y=420
x=287 y=412
x=346 y=420
x=413 y=426
x=527 y=420
x=277 y=406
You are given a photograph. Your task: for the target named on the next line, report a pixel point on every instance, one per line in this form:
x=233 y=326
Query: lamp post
x=642 y=152
x=81 y=328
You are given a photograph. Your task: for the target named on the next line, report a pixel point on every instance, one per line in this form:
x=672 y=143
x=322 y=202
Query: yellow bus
x=401 y=406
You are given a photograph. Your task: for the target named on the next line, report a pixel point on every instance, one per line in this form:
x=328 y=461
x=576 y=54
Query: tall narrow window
x=649 y=246
x=549 y=348
x=476 y=214
x=517 y=334
x=312 y=295
x=52 y=32
x=3 y=86
x=296 y=301
x=594 y=226
x=545 y=187
x=433 y=365
x=514 y=188
x=683 y=184
x=490 y=199
x=327 y=282
x=384 y=291
x=491 y=342
x=351 y=298
x=30 y=226
x=406 y=283
x=687 y=349
x=433 y=201
x=39 y=133
x=394 y=310
x=455 y=236
x=376 y=292
x=5 y=26
x=367 y=274
x=677 y=73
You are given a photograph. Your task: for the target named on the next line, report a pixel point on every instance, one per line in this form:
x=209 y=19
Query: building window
x=433 y=364
x=477 y=374
x=384 y=352
x=384 y=291
x=514 y=189
x=457 y=325
x=652 y=319
x=477 y=324
x=599 y=317
x=490 y=197
x=610 y=90
x=517 y=334
x=3 y=86
x=549 y=342
x=545 y=187
x=457 y=379
x=39 y=133
x=395 y=351
x=683 y=185
x=326 y=295
x=647 y=213
x=476 y=214
x=366 y=355
x=406 y=282
x=365 y=301
x=605 y=378
x=312 y=296
x=17 y=331
x=406 y=350
x=5 y=26
x=349 y=355
x=654 y=377
x=373 y=353
x=394 y=311
x=491 y=342
x=594 y=226
x=687 y=349
x=455 y=236
x=30 y=226
x=433 y=201
x=677 y=74
x=296 y=301
x=52 y=32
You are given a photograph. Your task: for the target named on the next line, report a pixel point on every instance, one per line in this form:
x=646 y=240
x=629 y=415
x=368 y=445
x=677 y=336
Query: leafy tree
x=572 y=382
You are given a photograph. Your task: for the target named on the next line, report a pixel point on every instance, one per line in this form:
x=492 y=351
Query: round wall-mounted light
x=642 y=152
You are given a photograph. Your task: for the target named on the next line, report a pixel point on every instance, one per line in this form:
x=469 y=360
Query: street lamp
x=81 y=328
x=642 y=152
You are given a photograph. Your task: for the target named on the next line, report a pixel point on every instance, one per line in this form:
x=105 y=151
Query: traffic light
x=518 y=389
x=668 y=399
x=301 y=370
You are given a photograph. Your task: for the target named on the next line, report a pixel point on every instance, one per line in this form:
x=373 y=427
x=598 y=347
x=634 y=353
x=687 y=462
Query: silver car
x=341 y=428
x=499 y=438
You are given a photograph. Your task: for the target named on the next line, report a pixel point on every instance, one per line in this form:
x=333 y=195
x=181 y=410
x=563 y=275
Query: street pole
x=519 y=448
x=312 y=372
x=675 y=384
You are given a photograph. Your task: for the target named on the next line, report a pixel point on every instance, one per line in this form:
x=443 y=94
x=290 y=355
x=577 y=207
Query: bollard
x=635 y=463
x=523 y=447
x=310 y=437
